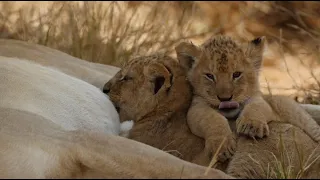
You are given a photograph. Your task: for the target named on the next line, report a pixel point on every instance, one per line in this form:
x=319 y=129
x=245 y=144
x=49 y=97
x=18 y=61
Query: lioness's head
x=222 y=71
x=149 y=86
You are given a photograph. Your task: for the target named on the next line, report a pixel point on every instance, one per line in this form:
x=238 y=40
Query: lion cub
x=224 y=76
x=154 y=92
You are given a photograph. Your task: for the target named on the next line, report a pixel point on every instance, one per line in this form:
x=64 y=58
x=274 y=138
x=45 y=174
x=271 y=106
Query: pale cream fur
x=67 y=101
x=35 y=147
x=55 y=125
x=93 y=73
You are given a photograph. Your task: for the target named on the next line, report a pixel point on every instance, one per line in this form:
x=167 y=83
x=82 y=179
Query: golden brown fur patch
x=153 y=91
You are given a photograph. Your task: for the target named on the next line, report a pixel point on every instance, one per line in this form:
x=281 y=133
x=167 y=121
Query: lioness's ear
x=254 y=51
x=159 y=76
x=187 y=54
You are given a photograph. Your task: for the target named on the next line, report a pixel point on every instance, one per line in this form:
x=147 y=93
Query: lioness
x=224 y=77
x=154 y=92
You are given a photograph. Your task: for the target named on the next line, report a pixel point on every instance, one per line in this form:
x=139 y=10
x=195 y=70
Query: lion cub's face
x=149 y=86
x=221 y=71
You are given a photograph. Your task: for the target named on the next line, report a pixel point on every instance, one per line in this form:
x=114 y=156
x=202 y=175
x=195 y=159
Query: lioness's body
x=66 y=101
x=93 y=73
x=313 y=110
x=262 y=158
x=34 y=147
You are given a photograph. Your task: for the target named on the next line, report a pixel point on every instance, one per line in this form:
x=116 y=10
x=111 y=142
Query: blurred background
x=112 y=32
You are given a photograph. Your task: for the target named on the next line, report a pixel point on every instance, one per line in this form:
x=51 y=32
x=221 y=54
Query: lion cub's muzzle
x=231 y=109
x=106 y=90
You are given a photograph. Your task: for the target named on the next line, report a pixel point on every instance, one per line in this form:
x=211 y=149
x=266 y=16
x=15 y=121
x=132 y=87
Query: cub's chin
x=231 y=114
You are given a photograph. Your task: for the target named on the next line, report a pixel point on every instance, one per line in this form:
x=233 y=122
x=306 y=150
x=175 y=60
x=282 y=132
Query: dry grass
x=282 y=167
x=104 y=32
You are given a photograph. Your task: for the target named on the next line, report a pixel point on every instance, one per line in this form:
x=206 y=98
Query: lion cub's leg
x=262 y=110
x=213 y=127
x=254 y=119
x=289 y=111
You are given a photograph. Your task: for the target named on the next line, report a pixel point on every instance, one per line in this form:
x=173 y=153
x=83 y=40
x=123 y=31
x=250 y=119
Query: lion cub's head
x=223 y=72
x=149 y=86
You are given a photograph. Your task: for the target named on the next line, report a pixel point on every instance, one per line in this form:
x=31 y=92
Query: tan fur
x=132 y=91
x=221 y=57
x=159 y=117
x=93 y=73
x=34 y=147
x=286 y=145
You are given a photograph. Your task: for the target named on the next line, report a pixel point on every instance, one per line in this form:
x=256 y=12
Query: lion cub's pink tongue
x=228 y=105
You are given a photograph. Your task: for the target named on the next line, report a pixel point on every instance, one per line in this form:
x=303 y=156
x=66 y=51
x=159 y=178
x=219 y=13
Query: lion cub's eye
x=125 y=78
x=210 y=76
x=236 y=75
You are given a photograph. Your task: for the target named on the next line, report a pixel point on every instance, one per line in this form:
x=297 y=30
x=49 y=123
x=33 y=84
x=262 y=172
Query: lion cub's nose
x=106 y=88
x=224 y=98
x=106 y=91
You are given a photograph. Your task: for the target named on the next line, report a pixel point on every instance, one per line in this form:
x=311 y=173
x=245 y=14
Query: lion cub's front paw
x=227 y=150
x=253 y=128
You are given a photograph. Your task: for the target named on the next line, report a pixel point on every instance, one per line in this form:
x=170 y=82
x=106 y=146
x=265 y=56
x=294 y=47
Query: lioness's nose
x=224 y=98
x=106 y=88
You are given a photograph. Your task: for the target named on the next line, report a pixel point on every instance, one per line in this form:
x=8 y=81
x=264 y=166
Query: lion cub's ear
x=159 y=76
x=254 y=51
x=187 y=54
